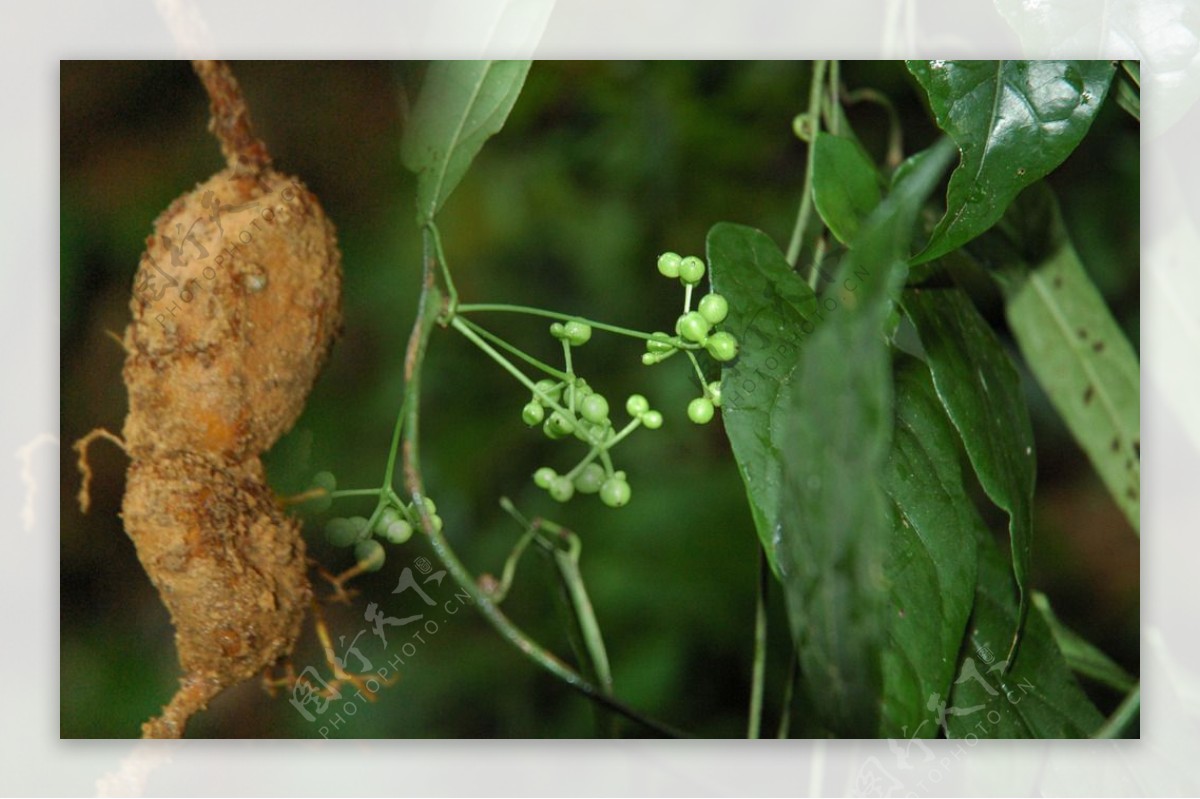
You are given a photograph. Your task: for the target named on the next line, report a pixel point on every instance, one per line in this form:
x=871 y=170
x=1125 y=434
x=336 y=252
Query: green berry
x=544 y=476
x=589 y=479
x=700 y=410
x=691 y=270
x=615 y=492
x=562 y=489
x=660 y=342
x=693 y=327
x=370 y=555
x=649 y=358
x=398 y=532
x=652 y=420
x=558 y=330
x=325 y=480
x=714 y=392
x=436 y=521
x=429 y=506
x=341 y=532
x=714 y=308
x=360 y=527
x=668 y=264
x=636 y=405
x=577 y=333
x=594 y=408
x=722 y=346
x=548 y=389
x=533 y=414
x=558 y=426
x=388 y=516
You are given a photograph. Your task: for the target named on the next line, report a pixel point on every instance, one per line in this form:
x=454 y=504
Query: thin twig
x=230 y=121
x=759 y=672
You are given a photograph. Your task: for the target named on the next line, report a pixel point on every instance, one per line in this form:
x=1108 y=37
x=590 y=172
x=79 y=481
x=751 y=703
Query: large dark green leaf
x=981 y=391
x=931 y=559
x=1074 y=347
x=771 y=311
x=1037 y=697
x=1014 y=121
x=462 y=104
x=845 y=184
x=832 y=429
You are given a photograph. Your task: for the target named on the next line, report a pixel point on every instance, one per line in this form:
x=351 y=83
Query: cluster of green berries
x=571 y=408
x=694 y=329
x=394 y=524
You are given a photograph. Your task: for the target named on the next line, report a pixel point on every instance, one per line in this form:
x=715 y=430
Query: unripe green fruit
x=577 y=333
x=341 y=532
x=325 y=480
x=558 y=426
x=360 y=527
x=594 y=408
x=693 y=327
x=700 y=410
x=714 y=308
x=668 y=264
x=544 y=476
x=660 y=343
x=589 y=479
x=558 y=330
x=547 y=388
x=652 y=420
x=722 y=346
x=636 y=405
x=562 y=489
x=533 y=414
x=398 y=532
x=370 y=555
x=691 y=270
x=615 y=492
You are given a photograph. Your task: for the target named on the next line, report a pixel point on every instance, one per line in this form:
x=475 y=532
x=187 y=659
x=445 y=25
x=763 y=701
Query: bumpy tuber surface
x=235 y=305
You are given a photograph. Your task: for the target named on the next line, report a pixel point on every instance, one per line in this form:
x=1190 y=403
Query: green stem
x=427 y=310
x=460 y=324
x=814 y=114
x=785 y=713
x=436 y=235
x=562 y=317
x=759 y=671
x=526 y=357
x=1118 y=724
x=355 y=492
x=699 y=372
x=834 y=90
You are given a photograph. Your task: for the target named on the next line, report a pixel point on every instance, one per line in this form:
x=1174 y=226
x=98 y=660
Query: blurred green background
x=602 y=166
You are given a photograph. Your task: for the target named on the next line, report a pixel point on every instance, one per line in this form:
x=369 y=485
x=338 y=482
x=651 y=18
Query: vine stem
x=230 y=118
x=759 y=672
x=1123 y=716
x=427 y=312
x=562 y=317
x=814 y=115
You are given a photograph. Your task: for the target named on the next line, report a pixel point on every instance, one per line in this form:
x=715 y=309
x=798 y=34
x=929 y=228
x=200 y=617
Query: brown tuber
x=236 y=302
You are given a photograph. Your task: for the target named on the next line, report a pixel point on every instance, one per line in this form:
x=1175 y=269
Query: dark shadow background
x=601 y=166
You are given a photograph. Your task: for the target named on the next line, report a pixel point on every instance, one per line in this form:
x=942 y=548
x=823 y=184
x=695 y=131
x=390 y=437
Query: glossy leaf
x=772 y=311
x=845 y=185
x=832 y=429
x=1037 y=697
x=931 y=558
x=981 y=392
x=1074 y=347
x=1014 y=122
x=462 y=105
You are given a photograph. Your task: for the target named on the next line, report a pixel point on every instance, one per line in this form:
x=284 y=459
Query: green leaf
x=845 y=185
x=772 y=311
x=981 y=391
x=1037 y=697
x=462 y=105
x=832 y=429
x=1014 y=121
x=931 y=559
x=1074 y=347
x=1082 y=656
